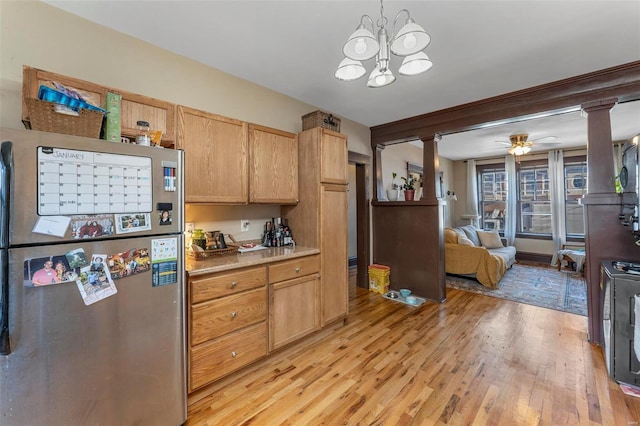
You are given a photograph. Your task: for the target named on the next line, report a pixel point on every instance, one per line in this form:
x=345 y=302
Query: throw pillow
x=490 y=239
x=464 y=241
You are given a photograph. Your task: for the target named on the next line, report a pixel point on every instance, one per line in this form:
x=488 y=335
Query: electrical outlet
x=189 y=227
x=244 y=225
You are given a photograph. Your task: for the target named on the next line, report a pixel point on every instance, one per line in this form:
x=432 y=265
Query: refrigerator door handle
x=5 y=346
x=6 y=162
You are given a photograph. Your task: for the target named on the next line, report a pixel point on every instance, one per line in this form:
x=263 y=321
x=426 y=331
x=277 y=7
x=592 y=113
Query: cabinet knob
x=234 y=314
x=297 y=270
x=234 y=284
x=234 y=354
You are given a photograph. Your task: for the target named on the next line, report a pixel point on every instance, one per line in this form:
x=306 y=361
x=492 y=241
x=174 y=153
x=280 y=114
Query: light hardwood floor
x=474 y=360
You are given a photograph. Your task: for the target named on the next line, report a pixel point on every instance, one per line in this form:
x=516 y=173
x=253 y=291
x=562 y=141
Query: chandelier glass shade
x=519 y=150
x=362 y=45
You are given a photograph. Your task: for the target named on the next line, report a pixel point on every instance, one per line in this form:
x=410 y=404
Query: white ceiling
x=479 y=49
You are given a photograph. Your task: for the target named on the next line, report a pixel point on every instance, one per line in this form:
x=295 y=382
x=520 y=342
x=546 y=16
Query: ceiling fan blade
x=505 y=143
x=547 y=140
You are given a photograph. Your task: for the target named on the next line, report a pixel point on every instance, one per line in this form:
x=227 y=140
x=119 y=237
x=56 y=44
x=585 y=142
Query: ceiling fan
x=520 y=145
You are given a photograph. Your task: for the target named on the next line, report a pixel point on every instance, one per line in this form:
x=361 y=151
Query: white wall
x=394 y=159
x=38 y=35
x=446 y=167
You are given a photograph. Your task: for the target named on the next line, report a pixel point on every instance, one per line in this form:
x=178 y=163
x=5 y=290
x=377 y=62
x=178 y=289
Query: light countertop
x=241 y=260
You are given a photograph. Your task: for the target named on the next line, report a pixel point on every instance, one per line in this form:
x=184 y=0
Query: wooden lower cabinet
x=227 y=320
x=294 y=304
x=237 y=317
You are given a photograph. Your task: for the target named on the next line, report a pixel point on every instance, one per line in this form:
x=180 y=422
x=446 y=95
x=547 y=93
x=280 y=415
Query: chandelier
x=363 y=45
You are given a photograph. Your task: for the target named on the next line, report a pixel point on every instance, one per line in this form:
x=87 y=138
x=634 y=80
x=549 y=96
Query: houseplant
x=392 y=194
x=409 y=190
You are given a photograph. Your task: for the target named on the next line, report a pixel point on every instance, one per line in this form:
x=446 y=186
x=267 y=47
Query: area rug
x=546 y=287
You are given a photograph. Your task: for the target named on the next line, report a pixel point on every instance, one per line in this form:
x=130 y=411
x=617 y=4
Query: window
x=534 y=204
x=575 y=178
x=534 y=197
x=492 y=196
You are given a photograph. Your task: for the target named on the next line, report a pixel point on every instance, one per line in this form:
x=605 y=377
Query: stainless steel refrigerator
x=92 y=282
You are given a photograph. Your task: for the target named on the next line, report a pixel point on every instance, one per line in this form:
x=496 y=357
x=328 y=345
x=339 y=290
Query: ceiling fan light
x=415 y=64
x=378 y=78
x=411 y=39
x=526 y=149
x=361 y=45
x=350 y=70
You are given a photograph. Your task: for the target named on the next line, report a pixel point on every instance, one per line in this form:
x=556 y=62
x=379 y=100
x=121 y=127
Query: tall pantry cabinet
x=320 y=217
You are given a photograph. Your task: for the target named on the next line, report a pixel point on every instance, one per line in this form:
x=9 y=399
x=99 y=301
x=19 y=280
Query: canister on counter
x=198 y=238
x=142 y=137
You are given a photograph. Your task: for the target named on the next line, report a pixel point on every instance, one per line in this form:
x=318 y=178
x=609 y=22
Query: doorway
x=358 y=217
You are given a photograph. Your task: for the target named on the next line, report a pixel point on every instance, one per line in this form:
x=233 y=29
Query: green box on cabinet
x=112 y=125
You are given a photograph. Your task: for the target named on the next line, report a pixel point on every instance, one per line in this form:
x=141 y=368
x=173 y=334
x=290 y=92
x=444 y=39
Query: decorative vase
x=392 y=194
x=408 y=194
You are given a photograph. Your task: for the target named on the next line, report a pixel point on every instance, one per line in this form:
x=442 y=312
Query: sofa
x=479 y=254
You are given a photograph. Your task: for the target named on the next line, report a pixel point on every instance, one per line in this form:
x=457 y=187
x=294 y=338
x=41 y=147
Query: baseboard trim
x=534 y=257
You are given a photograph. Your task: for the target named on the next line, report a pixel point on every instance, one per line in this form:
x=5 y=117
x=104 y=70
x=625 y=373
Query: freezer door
x=62 y=184
x=118 y=361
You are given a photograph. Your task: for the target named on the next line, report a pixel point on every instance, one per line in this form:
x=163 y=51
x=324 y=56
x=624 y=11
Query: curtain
x=557 y=195
x=511 y=210
x=472 y=193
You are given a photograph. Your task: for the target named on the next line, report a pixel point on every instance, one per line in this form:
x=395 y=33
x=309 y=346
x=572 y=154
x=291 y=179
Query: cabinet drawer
x=212 y=360
x=224 y=284
x=294 y=268
x=221 y=316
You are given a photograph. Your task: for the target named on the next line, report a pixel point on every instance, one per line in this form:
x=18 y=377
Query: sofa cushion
x=471 y=232
x=490 y=239
x=464 y=241
x=507 y=253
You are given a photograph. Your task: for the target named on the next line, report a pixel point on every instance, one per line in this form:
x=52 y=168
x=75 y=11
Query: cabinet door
x=215 y=157
x=294 y=310
x=273 y=171
x=160 y=115
x=333 y=264
x=334 y=158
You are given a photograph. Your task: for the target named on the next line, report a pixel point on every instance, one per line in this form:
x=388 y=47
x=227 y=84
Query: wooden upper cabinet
x=273 y=166
x=215 y=157
x=33 y=78
x=334 y=157
x=161 y=115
